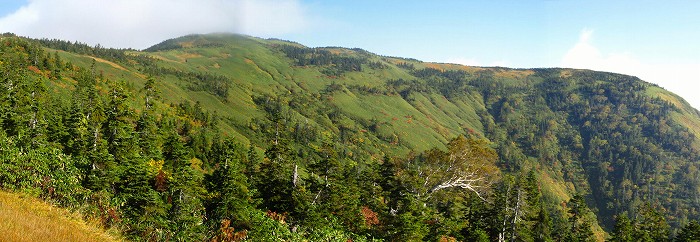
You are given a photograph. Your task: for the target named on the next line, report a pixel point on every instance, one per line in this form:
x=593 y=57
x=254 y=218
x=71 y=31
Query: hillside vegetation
x=229 y=137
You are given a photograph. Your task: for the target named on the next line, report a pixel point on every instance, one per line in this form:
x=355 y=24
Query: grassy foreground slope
x=23 y=218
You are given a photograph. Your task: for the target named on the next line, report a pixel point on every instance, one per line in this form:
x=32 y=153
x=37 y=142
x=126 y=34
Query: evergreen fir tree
x=232 y=199
x=650 y=224
x=579 y=221
x=689 y=233
x=185 y=192
x=623 y=231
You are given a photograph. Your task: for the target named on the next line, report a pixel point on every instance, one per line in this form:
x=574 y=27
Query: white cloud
x=680 y=78
x=586 y=56
x=141 y=23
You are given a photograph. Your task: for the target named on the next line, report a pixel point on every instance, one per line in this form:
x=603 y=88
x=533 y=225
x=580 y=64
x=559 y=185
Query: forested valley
x=234 y=138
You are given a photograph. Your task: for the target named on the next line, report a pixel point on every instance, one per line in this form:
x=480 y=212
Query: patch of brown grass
x=187 y=44
x=115 y=65
x=565 y=73
x=514 y=74
x=470 y=69
x=188 y=55
x=24 y=218
x=162 y=58
x=434 y=66
x=670 y=98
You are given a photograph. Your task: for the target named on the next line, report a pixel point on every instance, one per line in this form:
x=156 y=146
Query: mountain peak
x=197 y=40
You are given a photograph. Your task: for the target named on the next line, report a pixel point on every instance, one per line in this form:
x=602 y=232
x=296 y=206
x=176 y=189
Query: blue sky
x=658 y=41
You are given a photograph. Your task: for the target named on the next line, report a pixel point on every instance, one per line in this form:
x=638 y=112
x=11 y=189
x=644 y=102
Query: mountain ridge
x=614 y=138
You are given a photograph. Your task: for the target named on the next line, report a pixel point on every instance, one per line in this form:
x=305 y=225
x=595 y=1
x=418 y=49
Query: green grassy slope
x=684 y=114
x=257 y=68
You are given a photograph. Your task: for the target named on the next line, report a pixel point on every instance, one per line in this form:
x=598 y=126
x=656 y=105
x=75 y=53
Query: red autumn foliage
x=34 y=69
x=161 y=181
x=280 y=217
x=370 y=216
x=227 y=233
x=447 y=239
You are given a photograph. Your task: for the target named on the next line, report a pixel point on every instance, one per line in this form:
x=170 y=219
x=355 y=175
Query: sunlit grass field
x=24 y=218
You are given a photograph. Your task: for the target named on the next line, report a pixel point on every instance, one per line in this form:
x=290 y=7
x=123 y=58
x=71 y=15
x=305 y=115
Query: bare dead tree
x=467 y=164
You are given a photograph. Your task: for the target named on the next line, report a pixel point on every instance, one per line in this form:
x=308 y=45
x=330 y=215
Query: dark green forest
x=232 y=138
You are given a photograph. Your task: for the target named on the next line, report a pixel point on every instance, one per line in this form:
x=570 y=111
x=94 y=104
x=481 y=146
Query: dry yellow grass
x=188 y=44
x=115 y=65
x=24 y=218
x=470 y=69
x=566 y=73
x=163 y=58
x=187 y=55
x=435 y=66
x=514 y=74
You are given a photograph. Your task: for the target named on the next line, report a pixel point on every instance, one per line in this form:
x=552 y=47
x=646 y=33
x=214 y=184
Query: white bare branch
x=467 y=164
x=466 y=181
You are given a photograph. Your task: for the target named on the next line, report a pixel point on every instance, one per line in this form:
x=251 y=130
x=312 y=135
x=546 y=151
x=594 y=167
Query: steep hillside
x=612 y=136
x=323 y=115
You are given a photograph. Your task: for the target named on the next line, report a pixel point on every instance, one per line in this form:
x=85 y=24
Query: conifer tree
x=623 y=231
x=232 y=198
x=146 y=126
x=58 y=65
x=119 y=128
x=689 y=233
x=507 y=208
x=409 y=221
x=538 y=221
x=650 y=224
x=143 y=205
x=185 y=191
x=579 y=220
x=57 y=132
x=277 y=178
x=543 y=226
